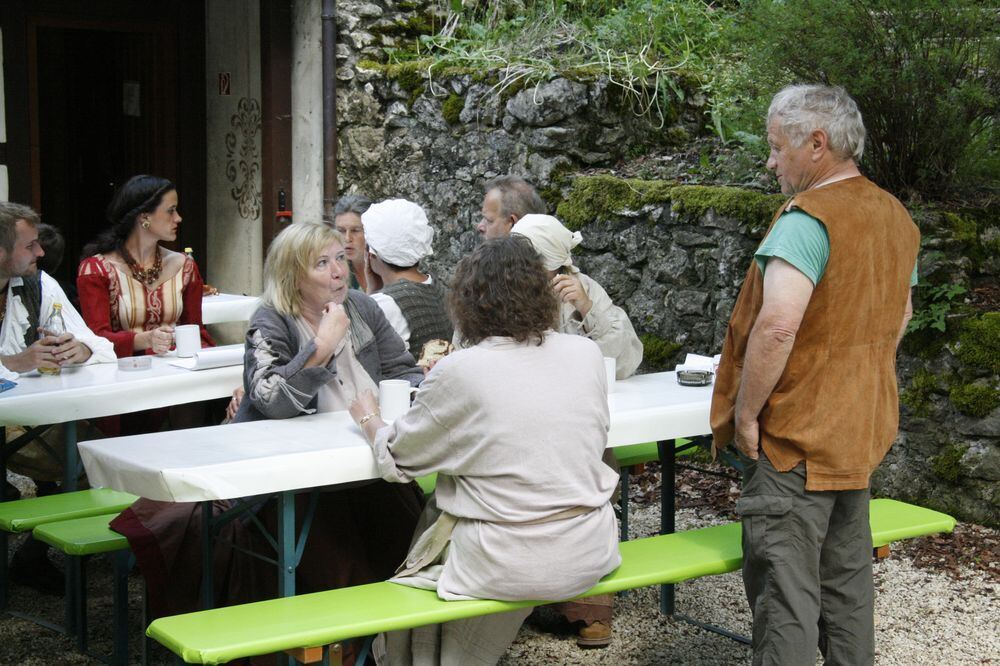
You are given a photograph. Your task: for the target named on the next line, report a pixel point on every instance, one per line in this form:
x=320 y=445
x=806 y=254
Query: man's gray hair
x=801 y=109
x=351 y=203
x=10 y=213
x=517 y=196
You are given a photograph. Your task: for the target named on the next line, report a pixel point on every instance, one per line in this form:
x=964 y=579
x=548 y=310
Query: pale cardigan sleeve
x=609 y=326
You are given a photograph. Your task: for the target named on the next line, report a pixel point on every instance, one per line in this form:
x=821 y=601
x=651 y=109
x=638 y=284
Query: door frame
x=276 y=115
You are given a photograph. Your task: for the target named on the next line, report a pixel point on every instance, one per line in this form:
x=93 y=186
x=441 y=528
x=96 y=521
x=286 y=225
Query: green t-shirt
x=801 y=240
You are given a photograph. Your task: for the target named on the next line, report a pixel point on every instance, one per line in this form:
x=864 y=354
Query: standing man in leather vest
x=806 y=388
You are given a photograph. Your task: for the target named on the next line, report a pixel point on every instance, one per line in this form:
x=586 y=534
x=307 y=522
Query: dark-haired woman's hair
x=54 y=245
x=139 y=194
x=502 y=289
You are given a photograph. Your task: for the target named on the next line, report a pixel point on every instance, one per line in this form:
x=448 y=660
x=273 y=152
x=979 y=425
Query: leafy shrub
x=926 y=74
x=934 y=305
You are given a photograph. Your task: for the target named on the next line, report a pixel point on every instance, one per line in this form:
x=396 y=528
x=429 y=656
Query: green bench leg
x=119 y=633
x=4 y=544
x=77 y=605
x=76 y=600
x=207 y=552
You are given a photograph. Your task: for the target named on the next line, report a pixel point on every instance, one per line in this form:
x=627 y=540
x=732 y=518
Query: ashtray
x=135 y=363
x=694 y=377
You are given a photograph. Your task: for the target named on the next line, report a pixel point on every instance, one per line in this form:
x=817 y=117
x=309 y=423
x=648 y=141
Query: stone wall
x=673 y=256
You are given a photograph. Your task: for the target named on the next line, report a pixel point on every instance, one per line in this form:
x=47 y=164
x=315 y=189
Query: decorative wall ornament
x=243 y=166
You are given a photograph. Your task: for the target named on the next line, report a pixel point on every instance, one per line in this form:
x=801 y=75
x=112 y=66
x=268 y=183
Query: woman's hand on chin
x=333 y=325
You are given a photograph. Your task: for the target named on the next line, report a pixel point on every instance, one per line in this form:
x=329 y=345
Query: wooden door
x=111 y=89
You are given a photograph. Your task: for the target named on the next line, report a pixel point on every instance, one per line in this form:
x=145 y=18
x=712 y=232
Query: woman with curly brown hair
x=515 y=426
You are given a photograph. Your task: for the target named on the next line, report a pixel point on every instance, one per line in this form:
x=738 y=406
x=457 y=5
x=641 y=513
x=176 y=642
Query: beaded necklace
x=146 y=276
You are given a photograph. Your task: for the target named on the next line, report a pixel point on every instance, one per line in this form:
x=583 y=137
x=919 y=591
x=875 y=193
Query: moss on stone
x=979 y=342
x=963 y=229
x=948 y=464
x=410 y=26
x=593 y=197
x=551 y=194
x=752 y=208
x=409 y=75
x=676 y=136
x=452 y=108
x=583 y=74
x=917 y=395
x=657 y=353
x=414 y=96
x=974 y=399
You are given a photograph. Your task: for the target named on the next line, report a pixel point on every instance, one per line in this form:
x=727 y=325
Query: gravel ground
x=939 y=610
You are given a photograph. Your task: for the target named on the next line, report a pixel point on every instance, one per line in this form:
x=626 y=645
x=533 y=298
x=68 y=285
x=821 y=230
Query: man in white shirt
x=26 y=299
x=27 y=296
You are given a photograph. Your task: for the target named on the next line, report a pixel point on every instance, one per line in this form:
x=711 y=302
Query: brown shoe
x=596 y=635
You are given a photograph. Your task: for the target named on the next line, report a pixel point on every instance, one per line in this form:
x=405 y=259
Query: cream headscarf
x=550 y=239
x=398 y=232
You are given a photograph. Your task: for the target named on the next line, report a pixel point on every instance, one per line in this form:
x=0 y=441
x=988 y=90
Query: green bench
x=79 y=539
x=319 y=619
x=25 y=515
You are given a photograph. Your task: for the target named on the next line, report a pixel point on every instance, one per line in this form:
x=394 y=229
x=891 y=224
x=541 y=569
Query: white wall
x=233 y=138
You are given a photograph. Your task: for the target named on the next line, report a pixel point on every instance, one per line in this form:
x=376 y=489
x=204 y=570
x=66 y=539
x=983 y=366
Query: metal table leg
x=72 y=471
x=286 y=544
x=666 y=449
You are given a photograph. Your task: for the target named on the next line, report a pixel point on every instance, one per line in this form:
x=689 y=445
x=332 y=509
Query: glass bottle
x=189 y=252
x=55 y=326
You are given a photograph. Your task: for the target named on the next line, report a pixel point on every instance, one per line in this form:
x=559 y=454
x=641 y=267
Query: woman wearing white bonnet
x=399 y=236
x=586 y=308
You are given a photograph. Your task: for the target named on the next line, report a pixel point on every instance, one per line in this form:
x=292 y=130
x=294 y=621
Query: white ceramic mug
x=394 y=398
x=187 y=339
x=610 y=368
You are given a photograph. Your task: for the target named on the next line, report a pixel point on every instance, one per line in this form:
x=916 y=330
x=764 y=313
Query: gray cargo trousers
x=807 y=569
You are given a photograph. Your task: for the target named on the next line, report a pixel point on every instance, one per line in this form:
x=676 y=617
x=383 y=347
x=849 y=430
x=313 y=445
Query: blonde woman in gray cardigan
x=515 y=426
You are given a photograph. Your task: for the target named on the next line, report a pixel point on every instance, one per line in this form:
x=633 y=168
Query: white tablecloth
x=228 y=307
x=103 y=390
x=243 y=459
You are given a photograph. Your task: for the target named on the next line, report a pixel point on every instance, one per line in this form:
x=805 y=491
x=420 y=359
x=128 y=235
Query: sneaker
x=595 y=635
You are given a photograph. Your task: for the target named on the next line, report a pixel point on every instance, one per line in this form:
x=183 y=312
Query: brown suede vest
x=836 y=403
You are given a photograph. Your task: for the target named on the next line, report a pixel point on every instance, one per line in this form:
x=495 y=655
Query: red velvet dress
x=116 y=306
